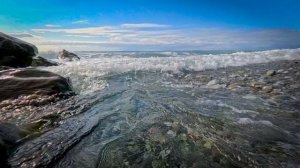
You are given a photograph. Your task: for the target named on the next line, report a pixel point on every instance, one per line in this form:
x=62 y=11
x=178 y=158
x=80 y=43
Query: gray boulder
x=15 y=52
x=65 y=55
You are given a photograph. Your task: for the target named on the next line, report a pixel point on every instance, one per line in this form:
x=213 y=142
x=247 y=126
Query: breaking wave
x=86 y=74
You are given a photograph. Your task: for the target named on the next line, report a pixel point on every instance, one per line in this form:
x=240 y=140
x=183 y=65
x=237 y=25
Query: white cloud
x=96 y=31
x=52 y=25
x=21 y=35
x=81 y=22
x=75 y=35
x=132 y=35
x=144 y=25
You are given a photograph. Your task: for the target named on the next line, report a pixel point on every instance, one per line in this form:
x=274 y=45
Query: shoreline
x=275 y=83
x=232 y=78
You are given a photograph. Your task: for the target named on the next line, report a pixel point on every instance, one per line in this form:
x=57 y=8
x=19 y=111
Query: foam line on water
x=86 y=74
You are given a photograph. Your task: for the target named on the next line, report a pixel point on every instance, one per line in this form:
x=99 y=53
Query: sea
x=135 y=111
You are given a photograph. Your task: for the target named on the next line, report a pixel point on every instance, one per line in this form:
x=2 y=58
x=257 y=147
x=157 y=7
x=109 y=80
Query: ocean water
x=136 y=110
x=86 y=74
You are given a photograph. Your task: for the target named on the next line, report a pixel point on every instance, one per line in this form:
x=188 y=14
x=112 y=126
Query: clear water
x=135 y=112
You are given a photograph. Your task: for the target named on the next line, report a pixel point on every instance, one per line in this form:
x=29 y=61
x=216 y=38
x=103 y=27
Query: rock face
x=15 y=52
x=27 y=81
x=40 y=61
x=65 y=55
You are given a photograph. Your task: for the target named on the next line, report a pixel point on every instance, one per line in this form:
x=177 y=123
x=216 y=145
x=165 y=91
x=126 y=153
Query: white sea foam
x=246 y=121
x=87 y=72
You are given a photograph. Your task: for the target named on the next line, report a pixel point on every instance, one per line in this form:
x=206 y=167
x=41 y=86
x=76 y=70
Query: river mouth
x=230 y=110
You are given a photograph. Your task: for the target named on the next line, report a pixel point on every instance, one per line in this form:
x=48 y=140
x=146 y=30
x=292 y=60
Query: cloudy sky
x=153 y=25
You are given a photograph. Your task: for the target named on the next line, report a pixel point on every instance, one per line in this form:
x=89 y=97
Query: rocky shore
x=22 y=89
x=278 y=81
x=41 y=118
x=275 y=82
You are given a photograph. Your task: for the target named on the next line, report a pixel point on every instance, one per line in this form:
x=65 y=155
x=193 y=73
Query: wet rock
x=10 y=134
x=285 y=72
x=212 y=82
x=40 y=61
x=233 y=76
x=262 y=80
x=208 y=144
x=171 y=133
x=182 y=137
x=255 y=85
x=280 y=71
x=294 y=86
x=29 y=81
x=279 y=84
x=15 y=52
x=276 y=91
x=267 y=89
x=233 y=86
x=65 y=55
x=271 y=73
x=3 y=154
x=4 y=68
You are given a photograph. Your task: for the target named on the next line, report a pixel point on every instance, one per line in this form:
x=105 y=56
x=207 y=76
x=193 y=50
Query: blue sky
x=153 y=25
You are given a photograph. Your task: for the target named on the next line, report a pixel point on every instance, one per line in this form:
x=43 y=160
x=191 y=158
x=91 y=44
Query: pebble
x=276 y=91
x=8 y=115
x=207 y=145
x=182 y=137
x=278 y=83
x=267 y=89
x=212 y=82
x=255 y=85
x=280 y=71
x=171 y=133
x=168 y=124
x=233 y=86
x=262 y=80
x=233 y=76
x=271 y=73
x=294 y=86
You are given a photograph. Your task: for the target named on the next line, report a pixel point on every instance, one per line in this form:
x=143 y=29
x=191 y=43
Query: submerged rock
x=267 y=89
x=65 y=55
x=212 y=82
x=15 y=52
x=40 y=61
x=28 y=81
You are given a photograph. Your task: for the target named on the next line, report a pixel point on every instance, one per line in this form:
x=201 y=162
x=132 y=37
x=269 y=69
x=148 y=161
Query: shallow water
x=140 y=112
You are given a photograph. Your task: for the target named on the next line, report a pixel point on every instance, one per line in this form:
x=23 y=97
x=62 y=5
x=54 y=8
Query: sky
x=153 y=24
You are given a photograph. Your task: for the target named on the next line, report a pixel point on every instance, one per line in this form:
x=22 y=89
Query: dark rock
x=10 y=134
x=15 y=52
x=40 y=61
x=4 y=68
x=3 y=154
x=65 y=55
x=27 y=81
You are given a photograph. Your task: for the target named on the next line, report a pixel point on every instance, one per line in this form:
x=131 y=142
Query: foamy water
x=86 y=74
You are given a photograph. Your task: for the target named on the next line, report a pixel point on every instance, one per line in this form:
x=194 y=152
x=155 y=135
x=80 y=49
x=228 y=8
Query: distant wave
x=85 y=74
